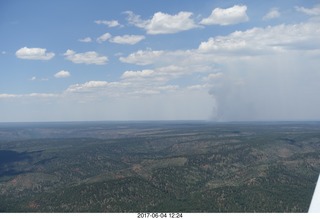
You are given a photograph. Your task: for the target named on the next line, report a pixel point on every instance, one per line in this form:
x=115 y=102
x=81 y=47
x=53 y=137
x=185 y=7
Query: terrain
x=158 y=166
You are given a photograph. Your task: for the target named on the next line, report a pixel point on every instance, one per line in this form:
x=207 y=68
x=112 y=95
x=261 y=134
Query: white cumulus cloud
x=134 y=74
x=127 y=39
x=62 y=74
x=42 y=95
x=146 y=78
x=85 y=40
x=104 y=37
x=34 y=54
x=222 y=44
x=315 y=11
x=36 y=95
x=111 y=23
x=272 y=39
x=234 y=15
x=90 y=57
x=163 y=74
x=98 y=88
x=7 y=96
x=162 y=23
x=272 y=14
x=86 y=86
x=142 y=57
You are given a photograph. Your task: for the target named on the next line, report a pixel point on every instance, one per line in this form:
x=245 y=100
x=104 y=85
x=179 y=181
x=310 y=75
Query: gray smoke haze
x=269 y=88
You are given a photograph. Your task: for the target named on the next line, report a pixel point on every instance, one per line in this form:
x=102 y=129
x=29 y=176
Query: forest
x=172 y=166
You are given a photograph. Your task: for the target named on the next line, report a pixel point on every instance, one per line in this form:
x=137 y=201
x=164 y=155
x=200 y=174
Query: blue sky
x=159 y=60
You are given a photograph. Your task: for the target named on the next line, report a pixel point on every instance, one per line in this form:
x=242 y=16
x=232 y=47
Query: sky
x=213 y=60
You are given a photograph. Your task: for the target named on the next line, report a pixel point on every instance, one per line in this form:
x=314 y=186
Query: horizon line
x=157 y=121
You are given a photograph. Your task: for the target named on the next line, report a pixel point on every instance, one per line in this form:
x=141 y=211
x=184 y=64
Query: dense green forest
x=158 y=167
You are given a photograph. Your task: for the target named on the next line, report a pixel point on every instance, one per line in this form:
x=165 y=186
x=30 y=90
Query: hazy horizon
x=164 y=121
